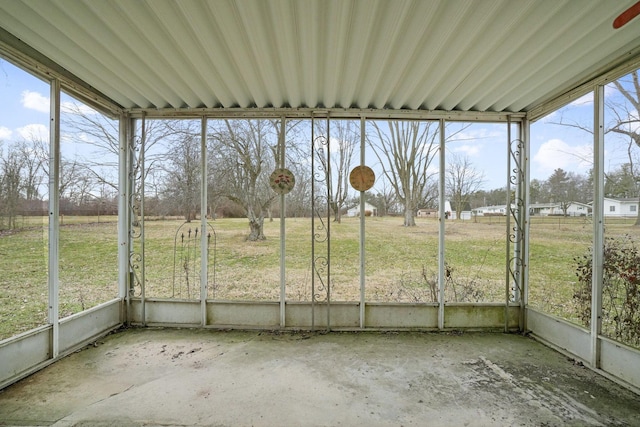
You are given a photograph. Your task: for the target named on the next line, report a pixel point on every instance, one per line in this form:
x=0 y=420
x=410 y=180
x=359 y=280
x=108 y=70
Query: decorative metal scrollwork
x=136 y=259
x=187 y=257
x=321 y=230
x=135 y=268
x=517 y=213
x=320 y=265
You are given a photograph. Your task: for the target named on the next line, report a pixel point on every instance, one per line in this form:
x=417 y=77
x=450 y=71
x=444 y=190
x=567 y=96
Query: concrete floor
x=210 y=378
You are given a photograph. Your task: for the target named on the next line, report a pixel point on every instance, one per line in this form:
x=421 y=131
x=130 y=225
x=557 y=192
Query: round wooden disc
x=362 y=178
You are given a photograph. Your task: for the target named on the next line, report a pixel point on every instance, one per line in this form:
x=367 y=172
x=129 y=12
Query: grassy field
x=401 y=263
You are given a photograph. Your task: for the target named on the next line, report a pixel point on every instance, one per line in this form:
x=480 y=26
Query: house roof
x=476 y=56
x=366 y=205
x=623 y=199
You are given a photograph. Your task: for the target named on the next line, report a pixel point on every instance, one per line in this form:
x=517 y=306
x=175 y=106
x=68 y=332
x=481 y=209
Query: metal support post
x=509 y=212
x=362 y=229
x=329 y=179
x=204 y=248
x=441 y=222
x=526 y=162
x=283 y=281
x=143 y=281
x=598 y=225
x=123 y=212
x=54 y=217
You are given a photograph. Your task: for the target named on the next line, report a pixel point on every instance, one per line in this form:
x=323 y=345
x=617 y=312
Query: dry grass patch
x=401 y=263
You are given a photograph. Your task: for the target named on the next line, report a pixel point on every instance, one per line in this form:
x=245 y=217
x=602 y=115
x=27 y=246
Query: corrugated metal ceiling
x=467 y=55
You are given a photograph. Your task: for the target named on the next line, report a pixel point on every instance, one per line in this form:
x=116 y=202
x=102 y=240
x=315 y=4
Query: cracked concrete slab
x=196 y=377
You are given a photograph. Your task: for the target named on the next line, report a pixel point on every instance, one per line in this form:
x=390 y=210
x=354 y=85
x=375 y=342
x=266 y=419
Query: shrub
x=620 y=289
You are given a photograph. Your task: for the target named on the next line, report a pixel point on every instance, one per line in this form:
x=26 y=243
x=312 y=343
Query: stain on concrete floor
x=196 y=377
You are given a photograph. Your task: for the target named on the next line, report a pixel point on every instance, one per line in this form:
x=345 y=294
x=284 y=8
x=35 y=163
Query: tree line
x=241 y=153
x=240 y=156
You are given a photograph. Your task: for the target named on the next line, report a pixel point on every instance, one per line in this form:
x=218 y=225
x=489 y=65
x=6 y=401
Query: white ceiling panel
x=452 y=55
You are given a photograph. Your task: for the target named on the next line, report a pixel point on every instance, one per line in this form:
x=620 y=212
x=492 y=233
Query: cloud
x=5 y=133
x=472 y=139
x=34 y=132
x=469 y=150
x=555 y=153
x=35 y=101
x=38 y=102
x=476 y=132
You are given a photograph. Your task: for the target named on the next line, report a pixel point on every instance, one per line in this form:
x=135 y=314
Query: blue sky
x=24 y=111
x=24 y=107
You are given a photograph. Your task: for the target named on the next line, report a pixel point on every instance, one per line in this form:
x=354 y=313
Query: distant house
x=620 y=206
x=578 y=209
x=496 y=210
x=427 y=212
x=448 y=212
x=355 y=211
x=542 y=209
x=546 y=209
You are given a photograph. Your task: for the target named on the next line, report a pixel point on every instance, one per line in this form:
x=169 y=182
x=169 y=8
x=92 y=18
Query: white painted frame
x=30 y=351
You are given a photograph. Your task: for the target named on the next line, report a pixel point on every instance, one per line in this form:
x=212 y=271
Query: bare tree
x=34 y=155
x=336 y=161
x=71 y=173
x=182 y=174
x=241 y=161
x=299 y=199
x=628 y=123
x=384 y=199
x=625 y=121
x=406 y=150
x=11 y=184
x=461 y=181
x=84 y=125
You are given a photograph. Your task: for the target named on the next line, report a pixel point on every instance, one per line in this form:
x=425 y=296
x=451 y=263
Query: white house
x=495 y=210
x=449 y=213
x=620 y=206
x=355 y=211
x=546 y=209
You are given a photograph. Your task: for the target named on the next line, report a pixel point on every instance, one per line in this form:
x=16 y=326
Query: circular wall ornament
x=362 y=178
x=282 y=180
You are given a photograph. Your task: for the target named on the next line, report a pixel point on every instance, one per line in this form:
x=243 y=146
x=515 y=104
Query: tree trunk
x=256 y=225
x=336 y=212
x=409 y=219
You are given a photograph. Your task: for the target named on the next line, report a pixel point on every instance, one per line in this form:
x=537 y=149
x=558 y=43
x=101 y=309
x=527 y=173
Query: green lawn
x=401 y=263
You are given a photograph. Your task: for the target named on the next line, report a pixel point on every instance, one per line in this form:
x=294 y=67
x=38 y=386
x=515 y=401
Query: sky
x=24 y=111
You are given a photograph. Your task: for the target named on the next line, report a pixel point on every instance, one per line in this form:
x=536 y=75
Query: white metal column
x=54 y=216
x=362 y=229
x=123 y=209
x=283 y=281
x=328 y=223
x=204 y=228
x=441 y=221
x=141 y=165
x=598 y=225
x=127 y=199
x=526 y=162
x=509 y=212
